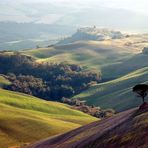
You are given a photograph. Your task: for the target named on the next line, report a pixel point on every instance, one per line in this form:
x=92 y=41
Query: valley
x=73 y=74
x=98 y=74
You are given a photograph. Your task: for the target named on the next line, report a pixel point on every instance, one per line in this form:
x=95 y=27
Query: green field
x=98 y=56
x=117 y=93
x=26 y=119
x=90 y=54
x=115 y=63
x=4 y=81
x=118 y=64
x=133 y=63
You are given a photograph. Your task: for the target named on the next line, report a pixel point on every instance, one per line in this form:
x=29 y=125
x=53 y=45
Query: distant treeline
x=48 y=81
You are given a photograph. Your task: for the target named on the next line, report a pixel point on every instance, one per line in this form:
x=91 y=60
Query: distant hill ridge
x=93 y=33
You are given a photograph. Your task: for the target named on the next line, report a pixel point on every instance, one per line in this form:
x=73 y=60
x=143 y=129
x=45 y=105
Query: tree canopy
x=50 y=81
x=141 y=90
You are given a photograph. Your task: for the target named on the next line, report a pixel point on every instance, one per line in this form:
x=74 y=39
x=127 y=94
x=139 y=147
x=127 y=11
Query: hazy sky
x=126 y=14
x=133 y=5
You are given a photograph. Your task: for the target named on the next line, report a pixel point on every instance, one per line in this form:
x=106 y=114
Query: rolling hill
x=90 y=54
x=25 y=119
x=105 y=56
x=131 y=64
x=127 y=129
x=118 y=60
x=117 y=93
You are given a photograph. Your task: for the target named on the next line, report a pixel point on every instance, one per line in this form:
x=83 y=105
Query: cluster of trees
x=29 y=85
x=91 y=110
x=46 y=80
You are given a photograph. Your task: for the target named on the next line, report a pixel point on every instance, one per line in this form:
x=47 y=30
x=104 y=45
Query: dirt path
x=80 y=137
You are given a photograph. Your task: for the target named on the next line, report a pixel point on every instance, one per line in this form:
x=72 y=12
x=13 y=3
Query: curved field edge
x=117 y=93
x=26 y=119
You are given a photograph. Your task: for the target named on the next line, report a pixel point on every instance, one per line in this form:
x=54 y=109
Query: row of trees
x=91 y=110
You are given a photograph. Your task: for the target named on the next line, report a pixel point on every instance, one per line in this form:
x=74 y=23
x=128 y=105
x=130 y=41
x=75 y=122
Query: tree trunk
x=143 y=99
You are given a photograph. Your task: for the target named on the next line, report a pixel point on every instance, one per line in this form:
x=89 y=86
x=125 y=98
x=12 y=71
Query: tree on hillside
x=141 y=90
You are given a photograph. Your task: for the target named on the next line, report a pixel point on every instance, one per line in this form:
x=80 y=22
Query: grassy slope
x=132 y=133
x=113 y=60
x=116 y=94
x=91 y=54
x=4 y=81
x=105 y=56
x=126 y=129
x=25 y=119
x=133 y=63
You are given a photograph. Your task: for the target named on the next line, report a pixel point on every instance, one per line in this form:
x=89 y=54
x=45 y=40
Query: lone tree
x=141 y=90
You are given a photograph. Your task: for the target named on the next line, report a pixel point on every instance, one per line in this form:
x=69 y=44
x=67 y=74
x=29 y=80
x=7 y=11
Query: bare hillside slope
x=106 y=133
